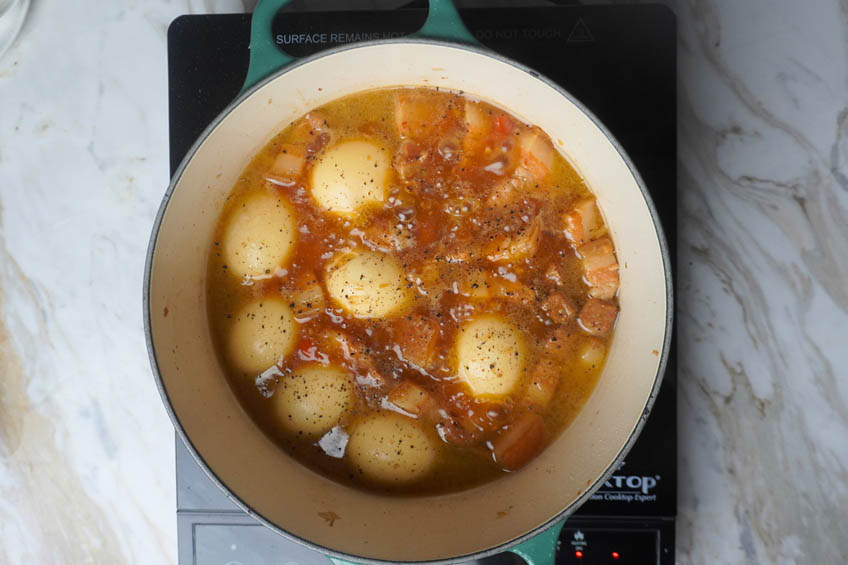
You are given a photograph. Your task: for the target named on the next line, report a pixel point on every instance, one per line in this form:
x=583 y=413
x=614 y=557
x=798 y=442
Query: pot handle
x=265 y=56
x=443 y=22
x=541 y=548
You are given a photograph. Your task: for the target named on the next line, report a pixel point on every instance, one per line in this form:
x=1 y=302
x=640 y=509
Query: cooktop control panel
x=595 y=544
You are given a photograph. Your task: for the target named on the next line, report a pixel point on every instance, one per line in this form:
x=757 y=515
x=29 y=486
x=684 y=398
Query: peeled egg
x=490 y=356
x=390 y=448
x=313 y=399
x=262 y=333
x=368 y=284
x=259 y=236
x=349 y=176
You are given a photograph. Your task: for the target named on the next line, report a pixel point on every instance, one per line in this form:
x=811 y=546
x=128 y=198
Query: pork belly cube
x=559 y=308
x=600 y=268
x=597 y=316
x=313 y=132
x=604 y=282
x=417 y=338
x=559 y=344
x=478 y=126
x=317 y=123
x=537 y=153
x=418 y=114
x=412 y=399
x=288 y=165
x=477 y=121
x=387 y=234
x=520 y=442
x=409 y=159
x=308 y=302
x=519 y=246
x=542 y=386
x=584 y=222
x=350 y=349
x=597 y=254
x=517 y=291
x=458 y=425
x=505 y=192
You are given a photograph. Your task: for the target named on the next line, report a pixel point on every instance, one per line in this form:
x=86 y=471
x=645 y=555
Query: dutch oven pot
x=521 y=512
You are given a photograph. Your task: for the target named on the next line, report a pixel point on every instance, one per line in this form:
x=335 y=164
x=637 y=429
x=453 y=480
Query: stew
x=412 y=291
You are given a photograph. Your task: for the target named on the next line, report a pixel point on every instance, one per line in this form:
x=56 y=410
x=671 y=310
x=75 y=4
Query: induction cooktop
x=618 y=60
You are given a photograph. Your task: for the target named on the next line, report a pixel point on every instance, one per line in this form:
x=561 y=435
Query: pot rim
x=151 y=350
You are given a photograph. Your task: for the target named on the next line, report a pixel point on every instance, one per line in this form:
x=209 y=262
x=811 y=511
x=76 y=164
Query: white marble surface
x=86 y=449
x=763 y=138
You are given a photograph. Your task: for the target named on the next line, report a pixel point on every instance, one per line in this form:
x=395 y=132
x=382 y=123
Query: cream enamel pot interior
x=289 y=497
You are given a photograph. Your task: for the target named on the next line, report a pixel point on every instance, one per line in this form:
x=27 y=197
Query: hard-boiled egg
x=262 y=333
x=367 y=284
x=259 y=236
x=313 y=399
x=490 y=354
x=391 y=448
x=349 y=176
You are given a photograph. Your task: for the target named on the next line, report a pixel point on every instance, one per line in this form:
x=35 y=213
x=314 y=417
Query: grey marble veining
x=86 y=459
x=763 y=289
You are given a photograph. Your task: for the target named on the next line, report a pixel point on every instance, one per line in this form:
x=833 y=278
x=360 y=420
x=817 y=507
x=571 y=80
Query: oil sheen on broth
x=412 y=291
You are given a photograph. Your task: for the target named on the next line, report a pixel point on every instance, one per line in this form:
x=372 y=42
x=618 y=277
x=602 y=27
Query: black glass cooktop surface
x=620 y=62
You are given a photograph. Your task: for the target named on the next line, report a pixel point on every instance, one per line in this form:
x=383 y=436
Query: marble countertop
x=86 y=448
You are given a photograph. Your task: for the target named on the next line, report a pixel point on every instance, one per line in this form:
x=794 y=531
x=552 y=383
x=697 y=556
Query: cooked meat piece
x=419 y=114
x=313 y=132
x=559 y=344
x=604 y=282
x=537 y=153
x=288 y=165
x=559 y=308
x=316 y=143
x=449 y=146
x=505 y=192
x=456 y=429
x=600 y=268
x=317 y=122
x=584 y=222
x=478 y=123
x=597 y=254
x=307 y=302
x=465 y=425
x=351 y=350
x=512 y=290
x=597 y=316
x=417 y=336
x=386 y=234
x=519 y=246
x=520 y=442
x=410 y=159
x=412 y=399
x=542 y=386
